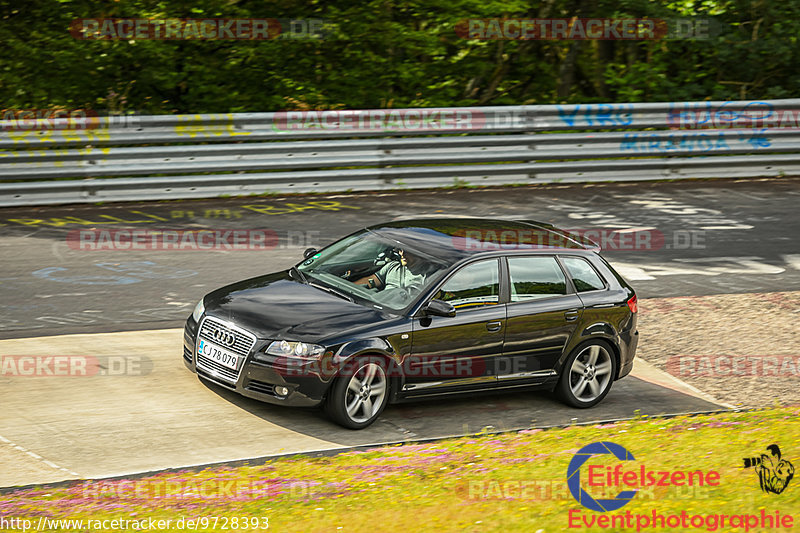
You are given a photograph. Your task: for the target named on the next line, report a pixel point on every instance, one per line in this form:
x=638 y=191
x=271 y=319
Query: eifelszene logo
x=774 y=473
x=574 y=477
x=608 y=478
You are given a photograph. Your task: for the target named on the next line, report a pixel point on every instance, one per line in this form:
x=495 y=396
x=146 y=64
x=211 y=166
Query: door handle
x=494 y=326
x=571 y=315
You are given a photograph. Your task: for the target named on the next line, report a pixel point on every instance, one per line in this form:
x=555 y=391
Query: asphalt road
x=700 y=238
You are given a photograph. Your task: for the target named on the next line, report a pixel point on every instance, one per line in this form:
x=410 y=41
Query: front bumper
x=258 y=380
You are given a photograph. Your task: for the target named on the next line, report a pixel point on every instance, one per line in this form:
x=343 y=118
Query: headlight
x=199 y=309
x=295 y=349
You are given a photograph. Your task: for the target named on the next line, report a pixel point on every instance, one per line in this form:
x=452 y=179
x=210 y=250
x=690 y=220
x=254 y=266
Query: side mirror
x=309 y=252
x=439 y=308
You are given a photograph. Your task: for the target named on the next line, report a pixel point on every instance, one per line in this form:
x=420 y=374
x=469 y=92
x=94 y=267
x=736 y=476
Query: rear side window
x=583 y=274
x=475 y=285
x=535 y=277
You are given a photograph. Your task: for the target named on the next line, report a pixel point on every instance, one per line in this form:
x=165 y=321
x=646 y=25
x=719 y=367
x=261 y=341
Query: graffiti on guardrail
x=216 y=125
x=592 y=115
x=756 y=115
x=657 y=142
x=753 y=126
x=27 y=137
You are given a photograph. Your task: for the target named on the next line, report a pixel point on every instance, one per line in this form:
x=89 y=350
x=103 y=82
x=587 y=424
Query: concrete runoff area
x=155 y=414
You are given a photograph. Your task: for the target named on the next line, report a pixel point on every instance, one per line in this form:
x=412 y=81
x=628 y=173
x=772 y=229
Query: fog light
x=281 y=391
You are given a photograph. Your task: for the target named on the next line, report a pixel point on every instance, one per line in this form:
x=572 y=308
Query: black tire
x=361 y=380
x=585 y=383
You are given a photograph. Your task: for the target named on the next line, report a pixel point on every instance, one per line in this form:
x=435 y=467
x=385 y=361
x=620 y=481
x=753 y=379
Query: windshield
x=373 y=269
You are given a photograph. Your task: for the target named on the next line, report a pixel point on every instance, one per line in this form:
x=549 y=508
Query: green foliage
x=386 y=53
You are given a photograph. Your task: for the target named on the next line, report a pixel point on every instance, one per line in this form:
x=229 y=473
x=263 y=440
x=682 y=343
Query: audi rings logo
x=574 y=477
x=224 y=337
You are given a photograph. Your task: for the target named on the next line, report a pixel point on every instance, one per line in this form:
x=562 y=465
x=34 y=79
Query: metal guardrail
x=60 y=161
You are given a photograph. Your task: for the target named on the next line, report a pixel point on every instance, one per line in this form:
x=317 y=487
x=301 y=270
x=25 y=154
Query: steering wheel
x=411 y=291
x=416 y=287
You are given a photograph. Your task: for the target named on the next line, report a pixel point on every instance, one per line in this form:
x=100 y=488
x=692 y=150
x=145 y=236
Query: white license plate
x=218 y=354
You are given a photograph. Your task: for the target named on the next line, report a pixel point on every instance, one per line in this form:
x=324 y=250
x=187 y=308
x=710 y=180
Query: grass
x=506 y=482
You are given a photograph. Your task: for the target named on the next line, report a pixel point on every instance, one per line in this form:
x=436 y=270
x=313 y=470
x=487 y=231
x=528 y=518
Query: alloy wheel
x=366 y=391
x=590 y=373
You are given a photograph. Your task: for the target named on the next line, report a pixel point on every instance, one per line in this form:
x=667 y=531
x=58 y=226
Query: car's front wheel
x=359 y=394
x=587 y=375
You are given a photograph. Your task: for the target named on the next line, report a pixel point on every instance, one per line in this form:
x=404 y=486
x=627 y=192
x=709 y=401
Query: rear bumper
x=629 y=341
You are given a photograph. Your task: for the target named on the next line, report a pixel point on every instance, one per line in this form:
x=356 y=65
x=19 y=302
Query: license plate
x=217 y=354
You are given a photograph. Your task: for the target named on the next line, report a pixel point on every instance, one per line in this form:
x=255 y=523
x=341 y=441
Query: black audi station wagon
x=420 y=309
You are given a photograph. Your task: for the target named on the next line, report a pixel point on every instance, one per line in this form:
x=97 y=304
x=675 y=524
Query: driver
x=403 y=273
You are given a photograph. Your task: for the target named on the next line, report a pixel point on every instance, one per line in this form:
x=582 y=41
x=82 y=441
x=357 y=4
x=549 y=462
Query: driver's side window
x=475 y=285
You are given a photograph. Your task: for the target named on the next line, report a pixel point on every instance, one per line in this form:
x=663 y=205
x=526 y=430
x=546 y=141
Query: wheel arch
x=372 y=348
x=610 y=340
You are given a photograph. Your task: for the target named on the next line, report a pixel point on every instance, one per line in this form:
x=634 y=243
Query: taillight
x=632 y=305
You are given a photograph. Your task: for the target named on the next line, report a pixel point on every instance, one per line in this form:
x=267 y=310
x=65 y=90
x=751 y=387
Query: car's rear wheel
x=359 y=395
x=587 y=375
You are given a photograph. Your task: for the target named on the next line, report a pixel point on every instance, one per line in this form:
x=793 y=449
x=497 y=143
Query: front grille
x=243 y=342
x=262 y=387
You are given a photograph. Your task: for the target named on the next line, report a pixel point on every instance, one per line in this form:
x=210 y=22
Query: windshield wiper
x=332 y=291
x=299 y=274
